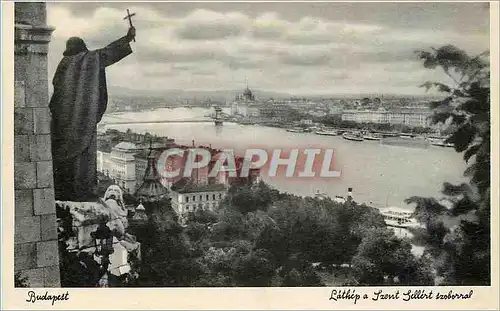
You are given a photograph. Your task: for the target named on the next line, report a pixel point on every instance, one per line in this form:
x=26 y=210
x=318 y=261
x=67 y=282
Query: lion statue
x=113 y=198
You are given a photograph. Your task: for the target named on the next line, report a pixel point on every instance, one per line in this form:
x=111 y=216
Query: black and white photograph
x=253 y=144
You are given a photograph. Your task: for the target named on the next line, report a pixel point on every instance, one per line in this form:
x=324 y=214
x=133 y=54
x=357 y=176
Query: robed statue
x=77 y=105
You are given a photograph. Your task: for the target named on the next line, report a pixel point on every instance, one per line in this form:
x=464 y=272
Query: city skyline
x=300 y=48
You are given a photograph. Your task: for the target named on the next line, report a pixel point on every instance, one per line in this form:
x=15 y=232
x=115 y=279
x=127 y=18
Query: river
x=380 y=175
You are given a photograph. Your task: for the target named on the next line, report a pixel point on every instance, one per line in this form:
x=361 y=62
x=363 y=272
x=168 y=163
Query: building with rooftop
x=276 y=111
x=126 y=164
x=406 y=116
x=120 y=165
x=188 y=197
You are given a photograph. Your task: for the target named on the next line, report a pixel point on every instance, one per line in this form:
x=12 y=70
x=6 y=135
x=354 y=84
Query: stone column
x=36 y=253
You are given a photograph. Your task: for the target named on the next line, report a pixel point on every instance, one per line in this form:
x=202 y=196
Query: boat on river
x=246 y=122
x=296 y=130
x=407 y=136
x=398 y=217
x=405 y=142
x=440 y=142
x=326 y=132
x=353 y=136
x=372 y=136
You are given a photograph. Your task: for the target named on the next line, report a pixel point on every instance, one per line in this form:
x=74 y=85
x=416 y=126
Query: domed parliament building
x=245 y=104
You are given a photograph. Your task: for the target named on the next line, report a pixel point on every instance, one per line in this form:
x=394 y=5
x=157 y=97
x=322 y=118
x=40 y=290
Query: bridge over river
x=104 y=123
x=158 y=121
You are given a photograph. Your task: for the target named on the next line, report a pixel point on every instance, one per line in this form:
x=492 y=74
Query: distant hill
x=225 y=95
x=179 y=95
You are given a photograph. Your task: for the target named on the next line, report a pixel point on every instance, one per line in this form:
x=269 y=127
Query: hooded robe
x=77 y=105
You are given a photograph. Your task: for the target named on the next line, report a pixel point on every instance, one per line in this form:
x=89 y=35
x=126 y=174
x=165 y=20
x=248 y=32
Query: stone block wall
x=36 y=253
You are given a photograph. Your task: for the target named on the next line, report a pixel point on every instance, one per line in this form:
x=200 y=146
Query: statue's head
x=75 y=45
x=114 y=192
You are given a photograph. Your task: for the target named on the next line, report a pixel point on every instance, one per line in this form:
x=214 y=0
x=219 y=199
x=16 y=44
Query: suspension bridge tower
x=218 y=118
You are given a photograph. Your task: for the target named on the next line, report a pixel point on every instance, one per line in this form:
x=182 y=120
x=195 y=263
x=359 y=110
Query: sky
x=297 y=48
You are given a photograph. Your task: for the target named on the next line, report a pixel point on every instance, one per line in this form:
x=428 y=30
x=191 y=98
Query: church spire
x=151 y=170
x=151 y=189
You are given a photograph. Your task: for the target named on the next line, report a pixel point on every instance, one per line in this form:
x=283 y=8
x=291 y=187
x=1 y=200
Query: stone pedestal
x=36 y=250
x=85 y=219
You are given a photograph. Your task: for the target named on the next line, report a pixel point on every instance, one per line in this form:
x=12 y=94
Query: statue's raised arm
x=117 y=50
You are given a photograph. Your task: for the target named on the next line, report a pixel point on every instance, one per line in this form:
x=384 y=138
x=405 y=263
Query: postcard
x=250 y=155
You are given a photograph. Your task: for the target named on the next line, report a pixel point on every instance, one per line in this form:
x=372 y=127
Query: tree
x=167 y=254
x=383 y=258
x=246 y=198
x=320 y=230
x=196 y=231
x=236 y=263
x=256 y=268
x=203 y=216
x=461 y=254
x=297 y=271
x=272 y=240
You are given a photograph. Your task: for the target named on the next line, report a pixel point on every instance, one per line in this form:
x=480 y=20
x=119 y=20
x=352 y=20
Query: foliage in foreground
x=260 y=237
x=461 y=253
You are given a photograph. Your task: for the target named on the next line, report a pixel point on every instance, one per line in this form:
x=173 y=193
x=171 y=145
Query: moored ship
x=352 y=136
x=326 y=132
x=372 y=136
x=296 y=130
x=398 y=217
x=407 y=136
x=405 y=142
x=246 y=122
x=440 y=142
